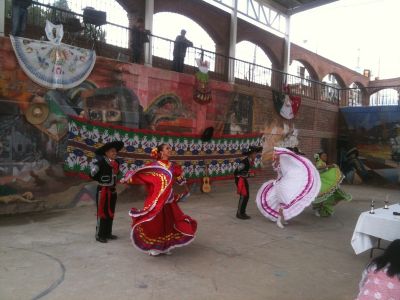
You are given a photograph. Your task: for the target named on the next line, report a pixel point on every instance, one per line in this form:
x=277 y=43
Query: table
x=371 y=228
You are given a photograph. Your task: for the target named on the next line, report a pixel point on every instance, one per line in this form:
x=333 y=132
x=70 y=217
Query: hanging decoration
x=285 y=104
x=51 y=63
x=202 y=91
x=218 y=157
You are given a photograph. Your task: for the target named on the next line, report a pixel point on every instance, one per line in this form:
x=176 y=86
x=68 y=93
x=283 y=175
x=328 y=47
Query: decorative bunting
x=220 y=155
x=202 y=91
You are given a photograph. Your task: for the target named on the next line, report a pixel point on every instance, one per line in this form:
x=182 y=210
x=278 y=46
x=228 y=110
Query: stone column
x=148 y=24
x=232 y=42
x=286 y=57
x=2 y=16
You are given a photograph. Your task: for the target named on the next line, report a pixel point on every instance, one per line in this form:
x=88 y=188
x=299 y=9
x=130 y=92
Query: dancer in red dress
x=161 y=225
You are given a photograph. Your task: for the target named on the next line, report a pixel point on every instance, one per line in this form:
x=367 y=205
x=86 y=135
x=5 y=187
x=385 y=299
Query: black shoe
x=101 y=240
x=242 y=217
x=112 y=237
x=246 y=216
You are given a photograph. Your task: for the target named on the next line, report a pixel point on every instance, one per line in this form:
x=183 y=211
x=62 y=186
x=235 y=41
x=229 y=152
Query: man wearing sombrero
x=241 y=173
x=104 y=170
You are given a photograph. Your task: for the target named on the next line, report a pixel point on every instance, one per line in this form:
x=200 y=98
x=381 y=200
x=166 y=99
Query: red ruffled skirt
x=160 y=225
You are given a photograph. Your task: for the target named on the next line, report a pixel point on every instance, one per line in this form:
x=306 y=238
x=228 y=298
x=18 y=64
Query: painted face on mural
x=104 y=109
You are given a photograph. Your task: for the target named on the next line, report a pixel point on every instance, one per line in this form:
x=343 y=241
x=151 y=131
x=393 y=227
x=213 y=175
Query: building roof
x=290 y=7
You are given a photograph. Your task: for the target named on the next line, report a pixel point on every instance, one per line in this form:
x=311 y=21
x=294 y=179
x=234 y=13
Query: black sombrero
x=207 y=134
x=117 y=145
x=252 y=149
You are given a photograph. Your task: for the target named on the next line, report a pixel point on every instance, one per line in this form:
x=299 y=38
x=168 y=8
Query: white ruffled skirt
x=295 y=188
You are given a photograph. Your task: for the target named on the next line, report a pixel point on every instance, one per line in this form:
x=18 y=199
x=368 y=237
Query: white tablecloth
x=371 y=227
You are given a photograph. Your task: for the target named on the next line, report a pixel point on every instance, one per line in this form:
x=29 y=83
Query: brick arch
x=275 y=62
x=201 y=13
x=364 y=91
x=309 y=68
x=183 y=27
x=377 y=89
x=374 y=90
x=339 y=78
x=359 y=84
x=266 y=53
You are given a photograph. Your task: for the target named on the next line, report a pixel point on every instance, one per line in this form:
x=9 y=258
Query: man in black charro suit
x=104 y=169
x=241 y=173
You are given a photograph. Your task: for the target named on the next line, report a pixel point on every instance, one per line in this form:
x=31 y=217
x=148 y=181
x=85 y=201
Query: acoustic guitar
x=206 y=186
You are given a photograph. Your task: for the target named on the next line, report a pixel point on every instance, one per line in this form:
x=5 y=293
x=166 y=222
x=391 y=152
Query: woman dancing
x=295 y=188
x=330 y=193
x=161 y=225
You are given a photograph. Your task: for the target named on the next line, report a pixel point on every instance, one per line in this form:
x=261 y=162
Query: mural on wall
x=47 y=134
x=33 y=143
x=278 y=133
x=240 y=115
x=369 y=143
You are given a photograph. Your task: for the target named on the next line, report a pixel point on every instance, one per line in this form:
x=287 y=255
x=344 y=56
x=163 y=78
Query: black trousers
x=137 y=55
x=106 y=200
x=178 y=63
x=243 y=199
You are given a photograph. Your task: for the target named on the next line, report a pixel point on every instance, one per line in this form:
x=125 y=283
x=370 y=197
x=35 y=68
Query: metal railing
x=112 y=40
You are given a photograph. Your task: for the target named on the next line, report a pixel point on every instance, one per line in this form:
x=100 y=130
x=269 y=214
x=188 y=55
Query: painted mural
x=369 y=143
x=278 y=132
x=48 y=136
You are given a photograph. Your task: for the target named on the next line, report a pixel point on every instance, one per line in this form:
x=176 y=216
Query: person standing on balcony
x=180 y=46
x=19 y=16
x=140 y=36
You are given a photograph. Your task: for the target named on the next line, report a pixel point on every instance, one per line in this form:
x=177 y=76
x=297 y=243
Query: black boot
x=239 y=213
x=101 y=230
x=109 y=234
x=243 y=208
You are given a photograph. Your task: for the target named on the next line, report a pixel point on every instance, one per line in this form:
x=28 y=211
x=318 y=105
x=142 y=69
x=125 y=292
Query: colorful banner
x=220 y=155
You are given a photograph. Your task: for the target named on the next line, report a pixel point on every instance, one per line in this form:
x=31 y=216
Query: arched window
x=252 y=64
x=354 y=95
x=166 y=31
x=384 y=97
x=331 y=88
x=296 y=68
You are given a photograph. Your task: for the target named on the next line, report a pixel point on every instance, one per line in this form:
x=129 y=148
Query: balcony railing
x=112 y=40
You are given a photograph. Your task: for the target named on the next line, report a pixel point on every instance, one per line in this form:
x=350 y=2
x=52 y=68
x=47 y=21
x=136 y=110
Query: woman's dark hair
x=390 y=259
x=156 y=151
x=160 y=147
